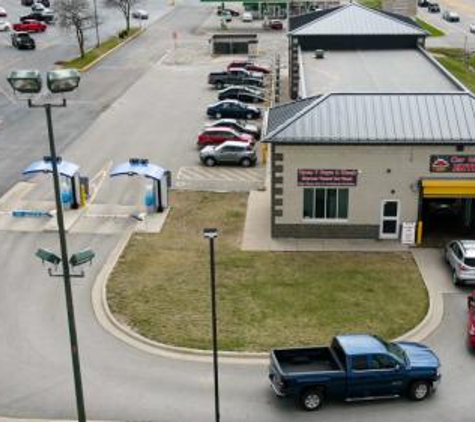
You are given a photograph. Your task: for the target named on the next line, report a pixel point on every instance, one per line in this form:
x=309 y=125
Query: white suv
x=460 y=255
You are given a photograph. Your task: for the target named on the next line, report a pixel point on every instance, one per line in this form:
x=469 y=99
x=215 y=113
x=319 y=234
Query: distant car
x=234 y=110
x=423 y=3
x=5 y=26
x=3 y=13
x=433 y=7
x=276 y=24
x=238 y=126
x=472 y=28
x=471 y=319
x=23 y=41
x=47 y=17
x=249 y=66
x=218 y=135
x=460 y=255
x=231 y=12
x=241 y=93
x=451 y=16
x=30 y=26
x=247 y=17
x=226 y=16
x=27 y=3
x=229 y=152
x=140 y=14
x=39 y=7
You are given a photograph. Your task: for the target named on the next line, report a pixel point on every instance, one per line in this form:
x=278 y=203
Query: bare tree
x=75 y=15
x=125 y=6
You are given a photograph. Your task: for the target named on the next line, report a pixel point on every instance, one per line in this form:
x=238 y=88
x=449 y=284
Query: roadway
x=120 y=382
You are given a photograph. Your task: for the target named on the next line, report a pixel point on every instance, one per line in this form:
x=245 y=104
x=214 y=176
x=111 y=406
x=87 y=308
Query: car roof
x=218 y=128
x=236 y=144
x=360 y=344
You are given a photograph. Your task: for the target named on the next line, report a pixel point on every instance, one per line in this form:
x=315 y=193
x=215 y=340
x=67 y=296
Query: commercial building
x=379 y=139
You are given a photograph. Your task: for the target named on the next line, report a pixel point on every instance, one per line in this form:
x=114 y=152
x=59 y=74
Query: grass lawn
x=458 y=63
x=373 y=4
x=160 y=286
x=93 y=54
x=431 y=29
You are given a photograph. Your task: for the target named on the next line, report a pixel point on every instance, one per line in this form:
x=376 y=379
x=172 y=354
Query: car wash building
x=380 y=139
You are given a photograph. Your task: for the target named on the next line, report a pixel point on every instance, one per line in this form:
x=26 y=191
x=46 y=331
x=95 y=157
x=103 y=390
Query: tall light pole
x=212 y=234
x=96 y=23
x=58 y=81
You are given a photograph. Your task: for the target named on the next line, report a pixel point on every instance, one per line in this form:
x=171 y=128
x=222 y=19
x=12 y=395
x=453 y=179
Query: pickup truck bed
x=315 y=359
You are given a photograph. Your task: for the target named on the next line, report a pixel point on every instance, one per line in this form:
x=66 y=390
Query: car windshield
x=394 y=349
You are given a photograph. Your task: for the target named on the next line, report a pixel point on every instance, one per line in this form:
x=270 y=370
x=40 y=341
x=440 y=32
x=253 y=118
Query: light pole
x=212 y=234
x=58 y=81
x=96 y=23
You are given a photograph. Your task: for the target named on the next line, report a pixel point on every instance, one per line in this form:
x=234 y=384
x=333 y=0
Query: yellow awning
x=445 y=188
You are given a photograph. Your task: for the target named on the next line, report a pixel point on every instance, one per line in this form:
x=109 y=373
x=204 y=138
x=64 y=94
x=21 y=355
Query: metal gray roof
x=280 y=114
x=355 y=19
x=396 y=118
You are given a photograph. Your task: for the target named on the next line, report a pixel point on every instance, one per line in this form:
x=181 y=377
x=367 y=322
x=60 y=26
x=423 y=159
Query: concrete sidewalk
x=257 y=237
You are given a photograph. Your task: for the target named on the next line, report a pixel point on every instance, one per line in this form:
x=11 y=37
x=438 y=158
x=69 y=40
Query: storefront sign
x=326 y=177
x=452 y=163
x=408 y=235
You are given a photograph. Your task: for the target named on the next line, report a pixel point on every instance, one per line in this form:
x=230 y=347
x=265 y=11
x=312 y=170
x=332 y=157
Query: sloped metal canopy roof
x=394 y=118
x=139 y=169
x=65 y=168
x=355 y=19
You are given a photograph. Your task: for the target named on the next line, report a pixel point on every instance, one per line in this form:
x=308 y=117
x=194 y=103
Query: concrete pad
x=16 y=193
x=22 y=224
x=103 y=225
x=70 y=218
x=153 y=223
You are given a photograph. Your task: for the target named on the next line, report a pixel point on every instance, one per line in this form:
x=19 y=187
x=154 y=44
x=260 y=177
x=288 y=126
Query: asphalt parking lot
x=61 y=44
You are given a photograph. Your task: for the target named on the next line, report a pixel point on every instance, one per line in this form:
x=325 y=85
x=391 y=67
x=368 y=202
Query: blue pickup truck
x=354 y=367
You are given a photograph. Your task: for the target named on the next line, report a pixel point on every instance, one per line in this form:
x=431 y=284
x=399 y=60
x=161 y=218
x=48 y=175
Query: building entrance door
x=389 y=227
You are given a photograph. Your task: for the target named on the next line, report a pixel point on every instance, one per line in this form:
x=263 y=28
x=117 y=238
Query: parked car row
x=230 y=139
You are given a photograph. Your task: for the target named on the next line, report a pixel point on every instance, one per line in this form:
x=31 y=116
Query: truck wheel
x=419 y=390
x=210 y=162
x=311 y=399
x=218 y=115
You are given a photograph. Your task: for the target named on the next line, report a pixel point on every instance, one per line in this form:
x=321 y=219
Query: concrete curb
x=127 y=335
x=105 y=317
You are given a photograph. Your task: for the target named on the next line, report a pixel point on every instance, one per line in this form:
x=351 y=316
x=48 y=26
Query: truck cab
x=354 y=367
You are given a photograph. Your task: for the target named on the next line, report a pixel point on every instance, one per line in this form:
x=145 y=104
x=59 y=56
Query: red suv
x=30 y=26
x=218 y=135
x=249 y=66
x=471 y=319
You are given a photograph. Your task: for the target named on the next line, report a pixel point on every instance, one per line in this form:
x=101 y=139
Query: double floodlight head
x=31 y=82
x=210 y=233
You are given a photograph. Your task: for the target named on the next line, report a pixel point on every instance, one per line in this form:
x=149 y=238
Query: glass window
x=308 y=203
x=390 y=209
x=325 y=203
x=381 y=362
x=331 y=203
x=359 y=363
x=342 y=203
x=319 y=203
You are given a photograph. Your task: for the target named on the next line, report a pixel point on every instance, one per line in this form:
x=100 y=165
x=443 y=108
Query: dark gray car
x=229 y=152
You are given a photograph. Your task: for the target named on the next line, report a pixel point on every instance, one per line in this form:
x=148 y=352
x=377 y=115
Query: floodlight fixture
x=48 y=256
x=63 y=80
x=82 y=257
x=210 y=233
x=25 y=81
